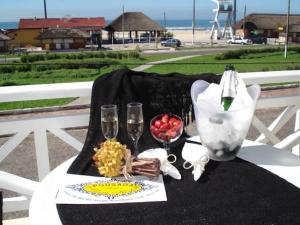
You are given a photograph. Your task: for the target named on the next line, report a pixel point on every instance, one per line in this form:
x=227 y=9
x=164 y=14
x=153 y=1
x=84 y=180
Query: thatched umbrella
x=133 y=22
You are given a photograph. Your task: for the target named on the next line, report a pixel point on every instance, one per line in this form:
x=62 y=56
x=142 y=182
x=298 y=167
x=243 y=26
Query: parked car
x=258 y=40
x=239 y=40
x=171 y=43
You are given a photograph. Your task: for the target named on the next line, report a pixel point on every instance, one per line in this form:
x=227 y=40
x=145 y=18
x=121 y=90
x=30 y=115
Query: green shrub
x=7 y=69
x=237 y=54
x=112 y=55
x=24 y=68
x=119 y=55
x=24 y=58
x=70 y=56
x=99 y=55
x=53 y=56
x=41 y=68
x=9 y=83
x=73 y=66
x=134 y=54
x=80 y=56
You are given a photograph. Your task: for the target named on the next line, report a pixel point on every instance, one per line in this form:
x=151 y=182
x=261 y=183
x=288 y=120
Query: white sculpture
x=223 y=7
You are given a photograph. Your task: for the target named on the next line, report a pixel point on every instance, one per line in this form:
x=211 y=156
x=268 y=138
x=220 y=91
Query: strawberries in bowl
x=166 y=127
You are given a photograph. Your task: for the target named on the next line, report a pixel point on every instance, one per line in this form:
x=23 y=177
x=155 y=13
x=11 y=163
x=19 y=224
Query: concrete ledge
x=19 y=221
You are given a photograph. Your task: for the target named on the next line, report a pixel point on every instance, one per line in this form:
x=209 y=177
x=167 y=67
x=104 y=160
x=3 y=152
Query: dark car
x=171 y=43
x=258 y=40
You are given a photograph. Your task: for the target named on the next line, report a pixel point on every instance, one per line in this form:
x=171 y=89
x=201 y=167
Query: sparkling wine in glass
x=109 y=121
x=135 y=123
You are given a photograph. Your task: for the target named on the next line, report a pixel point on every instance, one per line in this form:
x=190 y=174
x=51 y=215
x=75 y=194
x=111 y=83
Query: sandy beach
x=185 y=36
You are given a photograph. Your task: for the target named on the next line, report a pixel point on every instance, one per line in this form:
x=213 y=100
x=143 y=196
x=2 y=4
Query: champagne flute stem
x=166 y=146
x=135 y=145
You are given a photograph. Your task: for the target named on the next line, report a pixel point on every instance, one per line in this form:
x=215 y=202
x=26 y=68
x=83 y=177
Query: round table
x=286 y=165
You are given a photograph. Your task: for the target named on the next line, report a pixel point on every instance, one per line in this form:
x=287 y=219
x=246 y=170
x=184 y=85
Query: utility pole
x=244 y=25
x=193 y=22
x=287 y=29
x=45 y=9
x=234 y=15
x=123 y=26
x=165 y=23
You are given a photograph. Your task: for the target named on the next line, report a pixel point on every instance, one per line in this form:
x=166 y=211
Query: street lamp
x=287 y=29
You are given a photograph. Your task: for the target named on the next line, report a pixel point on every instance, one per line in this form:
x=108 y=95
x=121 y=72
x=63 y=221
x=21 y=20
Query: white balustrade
x=20 y=129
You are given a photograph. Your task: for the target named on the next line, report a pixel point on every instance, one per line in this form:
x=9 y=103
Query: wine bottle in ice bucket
x=229 y=81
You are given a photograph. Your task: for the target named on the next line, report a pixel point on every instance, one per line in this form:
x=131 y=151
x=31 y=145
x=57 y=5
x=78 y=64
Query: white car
x=239 y=40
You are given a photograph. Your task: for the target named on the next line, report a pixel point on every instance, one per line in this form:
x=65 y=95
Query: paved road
x=188 y=52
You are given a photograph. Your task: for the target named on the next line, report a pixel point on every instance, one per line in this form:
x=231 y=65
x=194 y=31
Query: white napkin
x=165 y=165
x=197 y=157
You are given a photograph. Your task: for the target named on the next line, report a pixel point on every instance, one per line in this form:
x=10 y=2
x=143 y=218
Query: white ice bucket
x=222 y=132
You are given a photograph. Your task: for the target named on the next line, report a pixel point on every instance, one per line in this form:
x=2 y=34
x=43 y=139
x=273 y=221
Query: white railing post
x=296 y=149
x=279 y=122
x=42 y=154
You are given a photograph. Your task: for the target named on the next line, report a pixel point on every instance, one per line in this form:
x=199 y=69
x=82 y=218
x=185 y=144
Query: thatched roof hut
x=134 y=21
x=63 y=38
x=259 y=21
x=62 y=33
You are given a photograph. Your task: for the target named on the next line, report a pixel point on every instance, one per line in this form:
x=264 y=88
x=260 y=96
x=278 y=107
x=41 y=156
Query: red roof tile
x=62 y=23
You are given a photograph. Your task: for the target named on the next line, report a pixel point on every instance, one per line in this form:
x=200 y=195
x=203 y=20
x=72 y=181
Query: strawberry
x=177 y=123
x=157 y=123
x=164 y=127
x=171 y=121
x=165 y=118
x=171 y=134
x=154 y=130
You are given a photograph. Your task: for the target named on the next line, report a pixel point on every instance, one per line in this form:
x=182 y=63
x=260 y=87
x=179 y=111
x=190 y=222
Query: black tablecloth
x=231 y=193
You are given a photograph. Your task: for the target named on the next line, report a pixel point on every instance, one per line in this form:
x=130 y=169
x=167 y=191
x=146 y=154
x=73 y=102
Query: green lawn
x=73 y=75
x=249 y=63
x=35 y=103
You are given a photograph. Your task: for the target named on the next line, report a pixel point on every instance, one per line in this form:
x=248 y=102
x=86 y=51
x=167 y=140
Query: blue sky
x=12 y=10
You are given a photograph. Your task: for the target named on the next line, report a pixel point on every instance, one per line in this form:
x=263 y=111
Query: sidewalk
x=149 y=65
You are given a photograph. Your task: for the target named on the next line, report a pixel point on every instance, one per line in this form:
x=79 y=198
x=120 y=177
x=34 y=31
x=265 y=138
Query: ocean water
x=185 y=24
x=170 y=24
x=8 y=25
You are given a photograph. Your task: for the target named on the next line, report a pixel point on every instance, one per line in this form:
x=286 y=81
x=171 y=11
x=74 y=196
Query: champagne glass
x=135 y=123
x=109 y=121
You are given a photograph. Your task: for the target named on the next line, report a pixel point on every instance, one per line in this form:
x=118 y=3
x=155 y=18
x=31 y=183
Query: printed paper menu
x=78 y=189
